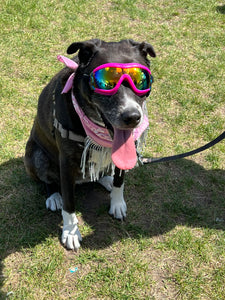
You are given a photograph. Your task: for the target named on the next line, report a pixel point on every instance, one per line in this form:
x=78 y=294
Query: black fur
x=56 y=161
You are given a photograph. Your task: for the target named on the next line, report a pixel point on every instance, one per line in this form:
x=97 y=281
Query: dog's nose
x=131 y=117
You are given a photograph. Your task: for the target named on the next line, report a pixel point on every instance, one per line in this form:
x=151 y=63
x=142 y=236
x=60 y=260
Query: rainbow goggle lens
x=106 y=79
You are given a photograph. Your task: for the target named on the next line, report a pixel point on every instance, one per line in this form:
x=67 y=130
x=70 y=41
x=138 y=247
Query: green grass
x=171 y=245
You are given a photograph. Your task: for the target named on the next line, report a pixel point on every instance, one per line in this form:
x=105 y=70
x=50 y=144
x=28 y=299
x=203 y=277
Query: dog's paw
x=118 y=207
x=107 y=182
x=54 y=202
x=71 y=236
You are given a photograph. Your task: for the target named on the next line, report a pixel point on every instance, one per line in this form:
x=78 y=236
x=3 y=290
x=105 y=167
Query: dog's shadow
x=158 y=197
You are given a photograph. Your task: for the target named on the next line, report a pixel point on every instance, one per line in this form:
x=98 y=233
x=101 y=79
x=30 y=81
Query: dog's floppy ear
x=147 y=49
x=87 y=49
x=144 y=47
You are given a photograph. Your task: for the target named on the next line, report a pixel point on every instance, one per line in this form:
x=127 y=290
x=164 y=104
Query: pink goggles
x=107 y=78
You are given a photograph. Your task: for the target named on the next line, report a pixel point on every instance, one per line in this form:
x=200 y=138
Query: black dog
x=61 y=153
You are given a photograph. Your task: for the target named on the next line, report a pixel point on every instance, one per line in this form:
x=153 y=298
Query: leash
x=148 y=160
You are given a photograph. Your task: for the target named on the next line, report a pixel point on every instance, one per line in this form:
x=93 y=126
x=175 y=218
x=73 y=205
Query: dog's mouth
x=123 y=146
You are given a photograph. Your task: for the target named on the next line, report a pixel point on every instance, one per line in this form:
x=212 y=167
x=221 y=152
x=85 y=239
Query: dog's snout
x=131 y=117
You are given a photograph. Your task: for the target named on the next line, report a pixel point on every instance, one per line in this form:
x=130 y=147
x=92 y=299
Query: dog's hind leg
x=29 y=159
x=54 y=201
x=118 y=207
x=39 y=166
x=52 y=188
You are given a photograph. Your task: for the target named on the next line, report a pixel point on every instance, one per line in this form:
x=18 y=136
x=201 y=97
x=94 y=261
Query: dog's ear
x=87 y=49
x=147 y=49
x=144 y=48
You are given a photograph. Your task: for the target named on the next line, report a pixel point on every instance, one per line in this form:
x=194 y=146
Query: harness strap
x=67 y=134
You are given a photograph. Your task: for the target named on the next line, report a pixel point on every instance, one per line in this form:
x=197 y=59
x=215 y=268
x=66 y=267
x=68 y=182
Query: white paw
x=54 y=202
x=71 y=236
x=118 y=207
x=107 y=182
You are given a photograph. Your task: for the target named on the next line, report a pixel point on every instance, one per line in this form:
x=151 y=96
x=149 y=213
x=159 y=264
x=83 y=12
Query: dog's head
x=123 y=110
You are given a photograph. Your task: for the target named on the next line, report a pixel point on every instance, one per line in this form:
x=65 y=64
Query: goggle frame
x=123 y=77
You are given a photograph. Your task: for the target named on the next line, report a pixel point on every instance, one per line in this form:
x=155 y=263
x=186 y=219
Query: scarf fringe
x=98 y=159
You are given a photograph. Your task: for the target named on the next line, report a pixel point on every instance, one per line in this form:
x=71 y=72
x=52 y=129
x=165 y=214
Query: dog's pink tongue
x=123 y=149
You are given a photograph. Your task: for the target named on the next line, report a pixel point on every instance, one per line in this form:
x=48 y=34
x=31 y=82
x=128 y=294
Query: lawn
x=172 y=244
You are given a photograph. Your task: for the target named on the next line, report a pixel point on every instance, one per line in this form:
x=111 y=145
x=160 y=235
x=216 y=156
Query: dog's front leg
x=71 y=236
x=118 y=207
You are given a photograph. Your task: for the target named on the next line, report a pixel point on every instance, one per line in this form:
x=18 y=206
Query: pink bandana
x=123 y=147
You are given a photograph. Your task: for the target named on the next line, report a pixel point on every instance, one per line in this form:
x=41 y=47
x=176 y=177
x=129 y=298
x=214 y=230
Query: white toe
x=54 y=202
x=107 y=182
